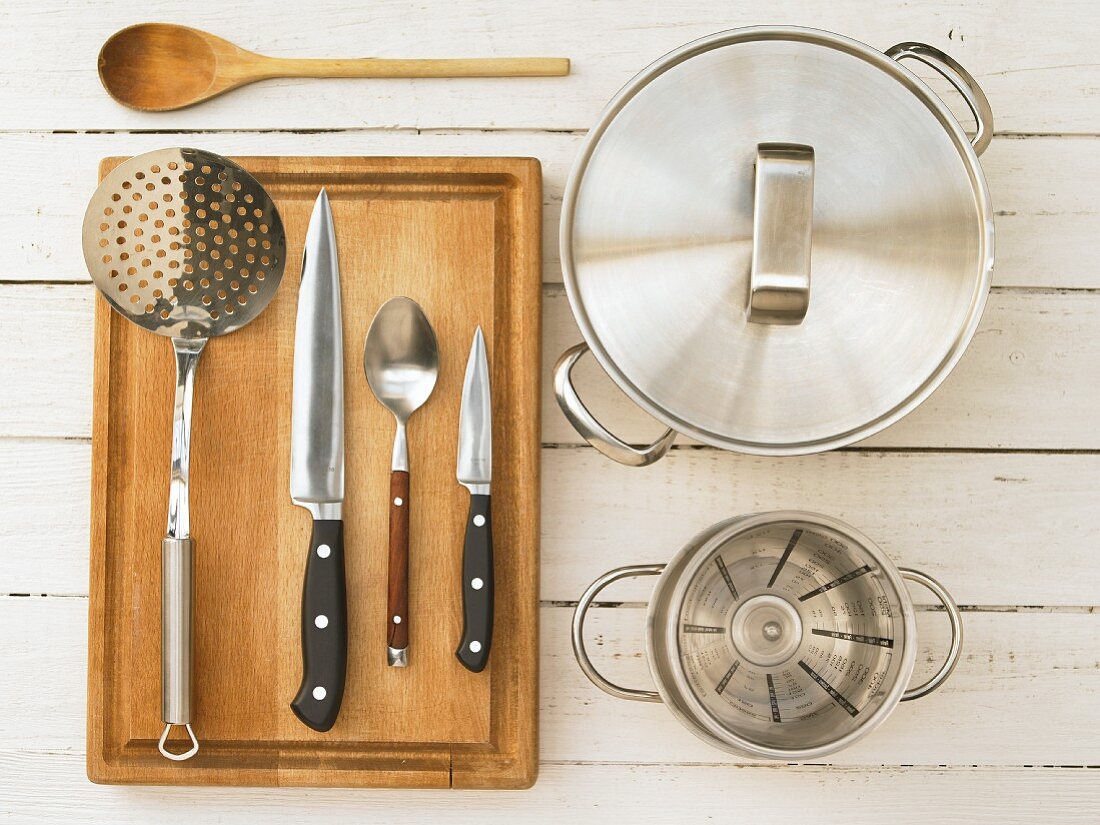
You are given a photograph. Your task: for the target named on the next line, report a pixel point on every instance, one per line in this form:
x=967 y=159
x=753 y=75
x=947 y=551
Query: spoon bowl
x=401 y=357
x=156 y=67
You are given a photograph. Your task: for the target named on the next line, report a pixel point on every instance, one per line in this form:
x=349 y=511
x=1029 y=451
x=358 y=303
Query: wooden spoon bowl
x=156 y=67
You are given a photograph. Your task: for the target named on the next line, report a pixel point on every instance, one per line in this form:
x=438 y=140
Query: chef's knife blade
x=317 y=471
x=475 y=458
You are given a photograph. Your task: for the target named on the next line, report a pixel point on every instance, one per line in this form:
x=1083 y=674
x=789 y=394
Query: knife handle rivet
x=397 y=620
x=321 y=621
x=398 y=501
x=479 y=521
x=475 y=647
x=323 y=551
x=477 y=584
x=319 y=693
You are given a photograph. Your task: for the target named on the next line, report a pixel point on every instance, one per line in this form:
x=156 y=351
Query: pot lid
x=777 y=241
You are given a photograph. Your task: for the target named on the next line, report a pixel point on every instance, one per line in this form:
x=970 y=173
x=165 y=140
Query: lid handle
x=782 y=222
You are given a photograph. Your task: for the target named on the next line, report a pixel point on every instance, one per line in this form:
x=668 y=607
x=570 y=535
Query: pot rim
x=907 y=78
x=673 y=686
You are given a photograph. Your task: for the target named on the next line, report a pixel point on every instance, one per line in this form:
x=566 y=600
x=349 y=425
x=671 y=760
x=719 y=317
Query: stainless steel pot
x=784 y=635
x=776 y=241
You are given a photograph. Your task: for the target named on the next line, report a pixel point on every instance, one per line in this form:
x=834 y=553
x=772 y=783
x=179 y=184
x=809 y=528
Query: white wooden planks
x=997 y=528
x=1038 y=68
x=1023 y=383
x=1027 y=381
x=1000 y=706
x=989 y=486
x=588 y=792
x=1043 y=191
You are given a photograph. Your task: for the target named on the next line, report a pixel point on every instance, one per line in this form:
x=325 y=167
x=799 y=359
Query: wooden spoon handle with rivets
x=397 y=636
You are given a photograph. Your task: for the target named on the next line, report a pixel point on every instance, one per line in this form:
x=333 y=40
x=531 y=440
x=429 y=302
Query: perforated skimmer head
x=184 y=243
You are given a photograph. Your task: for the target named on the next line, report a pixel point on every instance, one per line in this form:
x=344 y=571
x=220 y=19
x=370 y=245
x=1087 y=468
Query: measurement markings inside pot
x=795 y=536
x=773 y=700
x=847 y=577
x=699 y=628
x=726 y=576
x=854 y=637
x=832 y=691
x=721 y=686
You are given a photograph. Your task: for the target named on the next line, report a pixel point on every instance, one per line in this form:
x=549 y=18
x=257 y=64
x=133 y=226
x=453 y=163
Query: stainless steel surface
x=958 y=77
x=579 y=649
x=188 y=245
x=782 y=635
x=176 y=564
x=475 y=422
x=590 y=429
x=397 y=657
x=317 y=414
x=782 y=226
x=657 y=238
x=954 y=651
x=401 y=362
x=184 y=243
x=187 y=352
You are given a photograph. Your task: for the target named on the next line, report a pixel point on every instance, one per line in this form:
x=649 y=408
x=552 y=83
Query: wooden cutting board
x=461 y=236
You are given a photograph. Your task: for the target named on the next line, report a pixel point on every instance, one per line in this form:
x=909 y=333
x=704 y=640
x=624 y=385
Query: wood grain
x=1043 y=191
x=1018 y=386
x=641 y=794
x=989 y=525
x=1013 y=662
x=156 y=67
x=397 y=572
x=1037 y=69
x=1008 y=524
x=461 y=238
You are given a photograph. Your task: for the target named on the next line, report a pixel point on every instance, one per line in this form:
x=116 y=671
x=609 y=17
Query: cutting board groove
x=461 y=237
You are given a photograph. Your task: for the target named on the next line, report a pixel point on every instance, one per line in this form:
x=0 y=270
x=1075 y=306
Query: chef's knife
x=317 y=472
x=475 y=458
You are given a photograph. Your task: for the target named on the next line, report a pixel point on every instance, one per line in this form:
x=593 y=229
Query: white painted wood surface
x=990 y=486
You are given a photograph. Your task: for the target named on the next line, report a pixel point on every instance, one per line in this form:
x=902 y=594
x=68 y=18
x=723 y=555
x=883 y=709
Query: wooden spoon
x=156 y=67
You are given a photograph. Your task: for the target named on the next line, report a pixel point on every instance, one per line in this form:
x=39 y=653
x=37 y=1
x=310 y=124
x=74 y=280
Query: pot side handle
x=594 y=676
x=958 y=77
x=592 y=430
x=954 y=616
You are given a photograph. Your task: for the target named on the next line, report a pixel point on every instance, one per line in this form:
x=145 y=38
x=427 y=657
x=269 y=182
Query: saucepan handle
x=607 y=686
x=954 y=616
x=592 y=430
x=958 y=77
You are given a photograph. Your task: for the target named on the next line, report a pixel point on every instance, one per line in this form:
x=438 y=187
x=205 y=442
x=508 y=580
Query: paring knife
x=317 y=472
x=475 y=463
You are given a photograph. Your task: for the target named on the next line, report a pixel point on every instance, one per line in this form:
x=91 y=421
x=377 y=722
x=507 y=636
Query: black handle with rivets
x=477 y=586
x=324 y=629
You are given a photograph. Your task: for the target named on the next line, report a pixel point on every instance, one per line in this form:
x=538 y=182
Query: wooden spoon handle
x=449 y=67
x=398 y=589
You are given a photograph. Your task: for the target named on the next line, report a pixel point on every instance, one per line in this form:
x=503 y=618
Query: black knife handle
x=477 y=586
x=324 y=628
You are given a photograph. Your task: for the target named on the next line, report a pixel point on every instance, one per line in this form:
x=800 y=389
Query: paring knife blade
x=317 y=471
x=475 y=464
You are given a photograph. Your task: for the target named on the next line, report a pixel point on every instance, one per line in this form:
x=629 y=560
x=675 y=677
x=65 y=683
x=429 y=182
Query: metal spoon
x=401 y=361
x=155 y=67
